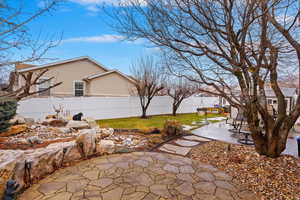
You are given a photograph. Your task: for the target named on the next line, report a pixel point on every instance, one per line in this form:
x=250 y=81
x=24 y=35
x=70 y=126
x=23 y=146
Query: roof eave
x=62 y=62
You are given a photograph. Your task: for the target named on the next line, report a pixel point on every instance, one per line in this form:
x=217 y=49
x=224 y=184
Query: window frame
x=270 y=101
x=38 y=87
x=74 y=89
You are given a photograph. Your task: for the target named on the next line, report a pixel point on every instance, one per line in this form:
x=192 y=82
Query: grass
x=155 y=121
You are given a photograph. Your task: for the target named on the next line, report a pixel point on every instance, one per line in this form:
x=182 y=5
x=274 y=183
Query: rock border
x=29 y=166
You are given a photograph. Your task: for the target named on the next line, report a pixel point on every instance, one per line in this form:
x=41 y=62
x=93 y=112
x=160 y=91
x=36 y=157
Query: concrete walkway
x=138 y=176
x=219 y=131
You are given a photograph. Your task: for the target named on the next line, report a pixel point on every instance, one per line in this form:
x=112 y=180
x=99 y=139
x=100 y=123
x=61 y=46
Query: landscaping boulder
x=58 y=123
x=87 y=131
x=128 y=142
x=92 y=122
x=65 y=130
x=34 y=140
x=71 y=154
x=17 y=119
x=44 y=161
x=106 y=131
x=8 y=161
x=14 y=130
x=29 y=121
x=46 y=122
x=77 y=124
x=86 y=144
x=105 y=147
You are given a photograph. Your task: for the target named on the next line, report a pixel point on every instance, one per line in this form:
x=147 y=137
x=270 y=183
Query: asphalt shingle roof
x=287 y=92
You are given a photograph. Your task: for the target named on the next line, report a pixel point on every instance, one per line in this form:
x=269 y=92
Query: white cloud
x=91 y=5
x=92 y=8
x=137 y=41
x=106 y=38
x=86 y=2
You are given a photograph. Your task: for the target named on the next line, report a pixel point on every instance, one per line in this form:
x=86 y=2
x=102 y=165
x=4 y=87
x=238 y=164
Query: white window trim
x=74 y=87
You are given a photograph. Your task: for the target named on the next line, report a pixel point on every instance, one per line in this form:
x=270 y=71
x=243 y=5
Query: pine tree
x=8 y=108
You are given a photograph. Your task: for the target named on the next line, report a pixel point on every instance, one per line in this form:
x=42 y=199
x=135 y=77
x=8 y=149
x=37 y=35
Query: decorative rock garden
x=30 y=151
x=54 y=159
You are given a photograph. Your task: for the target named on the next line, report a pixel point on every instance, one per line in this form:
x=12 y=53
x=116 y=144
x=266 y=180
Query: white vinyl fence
x=108 y=107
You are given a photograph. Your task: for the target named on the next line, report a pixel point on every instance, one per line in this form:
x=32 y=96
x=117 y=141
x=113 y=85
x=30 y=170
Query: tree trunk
x=174 y=110
x=271 y=144
x=144 y=115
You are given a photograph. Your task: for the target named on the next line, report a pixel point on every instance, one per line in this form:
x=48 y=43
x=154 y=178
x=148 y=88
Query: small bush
x=172 y=128
x=8 y=108
x=150 y=131
x=153 y=141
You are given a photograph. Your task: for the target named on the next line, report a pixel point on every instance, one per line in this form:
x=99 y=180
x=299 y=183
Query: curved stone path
x=137 y=176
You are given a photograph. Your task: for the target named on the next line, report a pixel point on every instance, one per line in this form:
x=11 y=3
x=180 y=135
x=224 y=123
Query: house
x=82 y=76
x=290 y=95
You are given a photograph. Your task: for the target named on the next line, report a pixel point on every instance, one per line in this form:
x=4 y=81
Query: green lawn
x=155 y=121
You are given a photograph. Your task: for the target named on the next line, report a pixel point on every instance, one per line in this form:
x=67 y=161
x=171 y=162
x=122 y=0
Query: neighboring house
x=80 y=76
x=290 y=95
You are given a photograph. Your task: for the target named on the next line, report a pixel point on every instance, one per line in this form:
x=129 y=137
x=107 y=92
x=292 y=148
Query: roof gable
x=38 y=67
x=107 y=73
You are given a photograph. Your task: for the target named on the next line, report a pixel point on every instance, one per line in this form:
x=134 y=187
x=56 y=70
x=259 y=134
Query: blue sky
x=85 y=33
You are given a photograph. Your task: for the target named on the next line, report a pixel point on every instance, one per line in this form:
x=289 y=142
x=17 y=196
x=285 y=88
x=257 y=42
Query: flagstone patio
x=138 y=176
x=183 y=145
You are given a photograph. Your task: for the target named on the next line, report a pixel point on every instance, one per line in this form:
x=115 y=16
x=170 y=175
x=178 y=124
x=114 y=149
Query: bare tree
x=15 y=39
x=223 y=43
x=148 y=81
x=179 y=89
x=31 y=79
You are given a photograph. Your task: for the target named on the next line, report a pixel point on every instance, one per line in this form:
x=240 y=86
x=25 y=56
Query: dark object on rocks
x=10 y=192
x=155 y=131
x=77 y=117
x=8 y=109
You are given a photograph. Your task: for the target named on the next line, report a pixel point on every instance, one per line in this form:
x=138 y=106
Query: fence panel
x=108 y=107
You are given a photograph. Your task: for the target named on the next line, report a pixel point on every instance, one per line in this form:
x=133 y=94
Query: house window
x=274 y=101
x=224 y=101
x=42 y=87
x=269 y=101
x=78 y=88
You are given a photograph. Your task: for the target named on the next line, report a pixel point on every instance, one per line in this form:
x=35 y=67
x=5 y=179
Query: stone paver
x=186 y=143
x=138 y=176
x=196 y=138
x=170 y=148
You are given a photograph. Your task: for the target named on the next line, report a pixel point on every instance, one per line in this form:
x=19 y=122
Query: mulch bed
x=270 y=179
